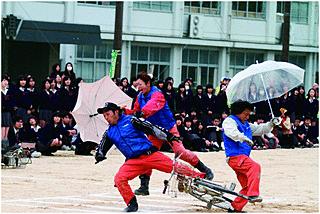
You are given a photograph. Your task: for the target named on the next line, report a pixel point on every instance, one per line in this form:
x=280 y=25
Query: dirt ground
x=66 y=183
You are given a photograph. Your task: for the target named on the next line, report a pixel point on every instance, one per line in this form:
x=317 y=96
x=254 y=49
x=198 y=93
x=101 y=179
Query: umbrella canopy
x=264 y=81
x=92 y=96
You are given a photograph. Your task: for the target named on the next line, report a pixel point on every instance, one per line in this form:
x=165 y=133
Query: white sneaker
x=64 y=147
x=36 y=154
x=73 y=147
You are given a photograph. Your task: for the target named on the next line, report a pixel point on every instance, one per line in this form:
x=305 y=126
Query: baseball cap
x=108 y=106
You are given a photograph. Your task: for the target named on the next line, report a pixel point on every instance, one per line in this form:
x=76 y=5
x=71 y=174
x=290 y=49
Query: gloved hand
x=171 y=137
x=99 y=157
x=248 y=141
x=138 y=114
x=275 y=121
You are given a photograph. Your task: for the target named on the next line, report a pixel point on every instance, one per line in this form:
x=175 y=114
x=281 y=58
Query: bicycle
x=17 y=157
x=205 y=190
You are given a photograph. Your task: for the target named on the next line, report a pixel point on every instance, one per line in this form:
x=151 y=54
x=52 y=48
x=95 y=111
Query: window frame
x=241 y=14
x=137 y=5
x=190 y=10
x=79 y=62
x=280 y=12
x=198 y=66
x=148 y=62
x=96 y=3
x=237 y=68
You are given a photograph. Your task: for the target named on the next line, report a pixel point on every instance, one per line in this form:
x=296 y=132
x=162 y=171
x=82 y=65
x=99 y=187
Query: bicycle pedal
x=232 y=186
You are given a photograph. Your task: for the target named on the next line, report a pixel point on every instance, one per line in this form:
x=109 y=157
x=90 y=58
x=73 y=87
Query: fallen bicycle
x=207 y=191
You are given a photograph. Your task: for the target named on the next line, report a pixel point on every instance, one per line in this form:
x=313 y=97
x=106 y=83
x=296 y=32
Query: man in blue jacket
x=141 y=155
x=237 y=136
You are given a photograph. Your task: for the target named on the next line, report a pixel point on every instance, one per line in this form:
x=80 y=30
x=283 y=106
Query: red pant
x=135 y=167
x=187 y=155
x=248 y=173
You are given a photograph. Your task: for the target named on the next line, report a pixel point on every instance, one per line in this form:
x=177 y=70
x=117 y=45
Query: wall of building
x=171 y=28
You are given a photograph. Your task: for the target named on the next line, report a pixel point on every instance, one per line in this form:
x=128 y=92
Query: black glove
x=138 y=114
x=171 y=137
x=99 y=157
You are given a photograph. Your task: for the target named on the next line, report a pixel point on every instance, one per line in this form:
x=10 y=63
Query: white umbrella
x=281 y=77
x=92 y=96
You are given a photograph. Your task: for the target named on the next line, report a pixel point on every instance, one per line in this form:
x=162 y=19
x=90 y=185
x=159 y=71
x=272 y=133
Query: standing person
x=68 y=95
x=125 y=84
x=160 y=85
x=58 y=82
x=54 y=96
x=69 y=71
x=55 y=70
x=34 y=96
x=8 y=105
x=222 y=98
x=210 y=101
x=301 y=97
x=141 y=155
x=311 y=106
x=133 y=90
x=47 y=104
x=183 y=101
x=187 y=84
x=22 y=98
x=169 y=94
x=197 y=101
x=237 y=135
x=152 y=106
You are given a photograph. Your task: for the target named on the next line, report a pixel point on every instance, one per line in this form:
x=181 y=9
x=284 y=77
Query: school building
x=204 y=40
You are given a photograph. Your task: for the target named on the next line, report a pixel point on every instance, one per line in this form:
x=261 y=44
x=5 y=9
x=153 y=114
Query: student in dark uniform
x=7 y=106
x=22 y=98
x=51 y=136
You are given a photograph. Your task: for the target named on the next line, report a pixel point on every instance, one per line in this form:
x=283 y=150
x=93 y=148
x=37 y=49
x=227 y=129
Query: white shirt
x=230 y=128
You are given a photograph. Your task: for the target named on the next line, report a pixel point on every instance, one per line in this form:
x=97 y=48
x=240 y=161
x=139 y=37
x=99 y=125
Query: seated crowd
x=44 y=116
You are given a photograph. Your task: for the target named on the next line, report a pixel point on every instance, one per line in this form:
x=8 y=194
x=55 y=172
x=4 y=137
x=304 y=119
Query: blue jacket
x=130 y=141
x=234 y=148
x=163 y=117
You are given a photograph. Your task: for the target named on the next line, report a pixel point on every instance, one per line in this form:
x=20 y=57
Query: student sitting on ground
x=190 y=139
x=16 y=133
x=265 y=141
x=70 y=131
x=308 y=133
x=215 y=132
x=51 y=136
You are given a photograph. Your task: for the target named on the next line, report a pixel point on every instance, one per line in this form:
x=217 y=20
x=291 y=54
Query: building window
x=154 y=60
x=249 y=9
x=200 y=65
x=93 y=62
x=164 y=6
x=103 y=3
x=203 y=7
x=299 y=60
x=298 y=12
x=241 y=60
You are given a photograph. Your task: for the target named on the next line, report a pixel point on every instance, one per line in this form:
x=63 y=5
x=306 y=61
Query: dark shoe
x=235 y=211
x=203 y=168
x=144 y=187
x=170 y=150
x=133 y=205
x=253 y=199
x=203 y=150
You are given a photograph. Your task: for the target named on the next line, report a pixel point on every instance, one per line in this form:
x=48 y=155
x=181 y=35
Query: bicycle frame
x=207 y=191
